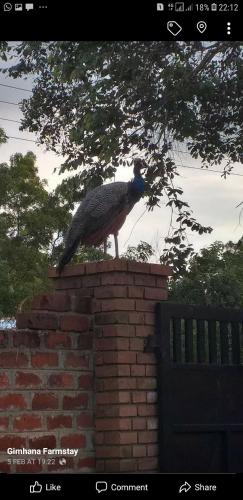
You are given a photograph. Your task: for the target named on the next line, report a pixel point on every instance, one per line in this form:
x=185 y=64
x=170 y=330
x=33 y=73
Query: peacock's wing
x=96 y=209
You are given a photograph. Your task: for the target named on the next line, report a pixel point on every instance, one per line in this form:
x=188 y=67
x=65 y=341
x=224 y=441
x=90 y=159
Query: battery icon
x=214 y=6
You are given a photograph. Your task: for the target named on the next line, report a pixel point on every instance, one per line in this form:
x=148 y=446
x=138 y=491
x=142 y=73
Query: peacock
x=102 y=212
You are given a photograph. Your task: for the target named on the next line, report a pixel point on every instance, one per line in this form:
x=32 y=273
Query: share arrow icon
x=184 y=487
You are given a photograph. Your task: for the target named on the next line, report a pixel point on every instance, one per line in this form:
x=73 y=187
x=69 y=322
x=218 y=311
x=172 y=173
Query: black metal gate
x=200 y=374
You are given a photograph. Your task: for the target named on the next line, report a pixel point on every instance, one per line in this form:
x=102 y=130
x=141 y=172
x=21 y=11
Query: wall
x=75 y=373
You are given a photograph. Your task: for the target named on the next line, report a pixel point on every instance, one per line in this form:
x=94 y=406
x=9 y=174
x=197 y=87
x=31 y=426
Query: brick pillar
x=124 y=295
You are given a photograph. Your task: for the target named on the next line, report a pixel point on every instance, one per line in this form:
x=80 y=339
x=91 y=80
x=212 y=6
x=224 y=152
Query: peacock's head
x=139 y=165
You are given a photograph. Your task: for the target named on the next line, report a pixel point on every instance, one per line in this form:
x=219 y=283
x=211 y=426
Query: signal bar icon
x=190 y=8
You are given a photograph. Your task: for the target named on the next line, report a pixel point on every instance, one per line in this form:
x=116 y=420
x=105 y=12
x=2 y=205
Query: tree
x=30 y=221
x=214 y=277
x=141 y=253
x=100 y=103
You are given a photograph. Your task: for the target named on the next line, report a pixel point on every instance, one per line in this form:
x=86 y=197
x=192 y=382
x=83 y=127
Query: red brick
x=128 y=466
x=44 y=401
x=56 y=466
x=105 y=292
x=4 y=381
x=147 y=383
x=118 y=330
x=145 y=305
x=137 y=344
x=139 y=397
x=87 y=463
x=68 y=283
x=51 y=302
x=85 y=421
x=136 y=318
x=109 y=424
x=161 y=270
x=119 y=383
x=26 y=339
x=48 y=441
x=113 y=371
x=61 y=380
x=155 y=293
x=73 y=441
x=5 y=467
x=136 y=292
x=11 y=441
x=117 y=278
x=123 y=357
x=59 y=421
x=144 y=280
x=71 y=270
x=4 y=339
x=57 y=339
x=152 y=450
x=27 y=379
x=139 y=423
x=39 y=321
x=128 y=411
x=13 y=401
x=76 y=401
x=112 y=318
x=13 y=360
x=138 y=371
x=151 y=371
x=161 y=282
x=149 y=319
x=85 y=341
x=148 y=464
x=112 y=397
x=27 y=422
x=148 y=437
x=4 y=421
x=117 y=437
x=31 y=467
x=117 y=305
x=91 y=281
x=80 y=304
x=44 y=359
x=114 y=451
x=139 y=450
x=108 y=266
x=152 y=423
x=85 y=381
x=147 y=410
x=144 y=331
x=76 y=360
x=147 y=358
x=74 y=322
x=152 y=397
x=138 y=267
x=109 y=344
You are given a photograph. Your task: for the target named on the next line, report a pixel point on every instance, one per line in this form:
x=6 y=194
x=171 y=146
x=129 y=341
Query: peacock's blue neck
x=138 y=184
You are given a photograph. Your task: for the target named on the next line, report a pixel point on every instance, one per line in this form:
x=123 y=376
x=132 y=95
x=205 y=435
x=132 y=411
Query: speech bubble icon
x=29 y=6
x=101 y=486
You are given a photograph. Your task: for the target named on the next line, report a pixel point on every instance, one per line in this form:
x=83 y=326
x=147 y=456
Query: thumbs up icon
x=35 y=488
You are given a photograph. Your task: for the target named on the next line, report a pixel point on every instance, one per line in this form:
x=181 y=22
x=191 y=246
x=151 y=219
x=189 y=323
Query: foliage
x=101 y=103
x=214 y=277
x=30 y=222
x=141 y=253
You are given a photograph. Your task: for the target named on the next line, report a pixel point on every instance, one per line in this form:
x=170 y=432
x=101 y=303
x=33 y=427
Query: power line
x=19 y=138
x=12 y=87
x=9 y=120
x=207 y=170
x=14 y=103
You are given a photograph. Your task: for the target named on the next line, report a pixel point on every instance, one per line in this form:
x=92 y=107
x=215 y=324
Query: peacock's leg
x=116 y=245
x=105 y=246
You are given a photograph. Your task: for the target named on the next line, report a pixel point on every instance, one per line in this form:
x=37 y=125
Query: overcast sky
x=212 y=198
